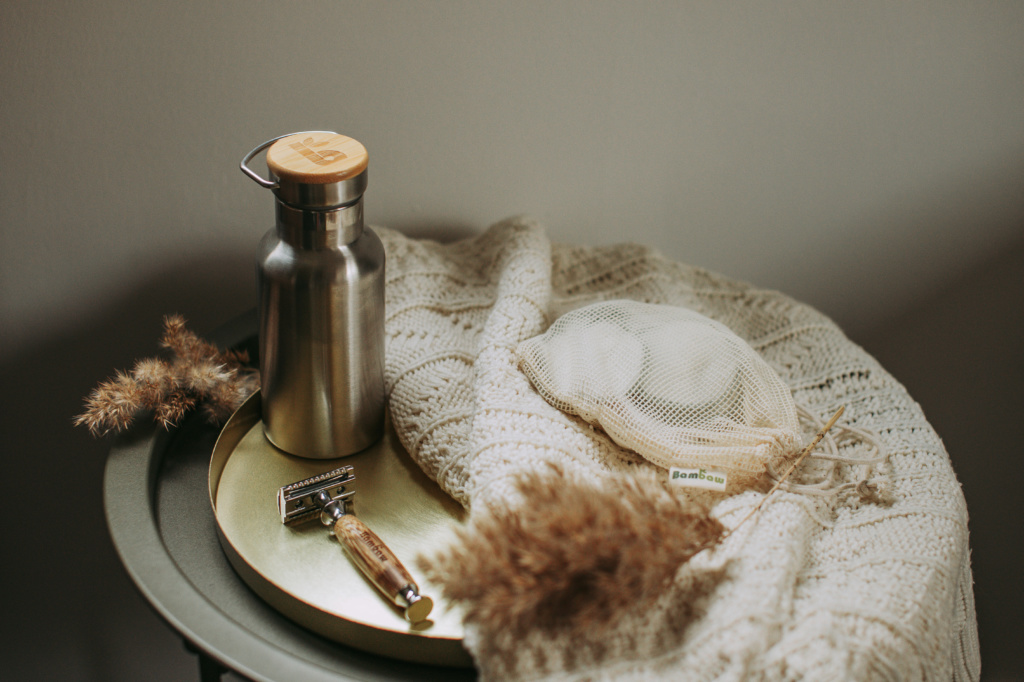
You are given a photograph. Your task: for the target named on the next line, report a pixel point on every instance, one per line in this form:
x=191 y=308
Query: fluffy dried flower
x=572 y=555
x=198 y=373
x=113 y=403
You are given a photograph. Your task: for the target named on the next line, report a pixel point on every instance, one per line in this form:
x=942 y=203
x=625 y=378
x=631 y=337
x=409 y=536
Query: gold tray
x=303 y=572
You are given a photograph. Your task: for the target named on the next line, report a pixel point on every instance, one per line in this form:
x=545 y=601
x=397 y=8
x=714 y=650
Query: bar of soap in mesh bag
x=676 y=387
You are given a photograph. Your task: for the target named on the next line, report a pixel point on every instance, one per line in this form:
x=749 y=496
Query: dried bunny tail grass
x=177 y=338
x=153 y=371
x=221 y=402
x=199 y=373
x=573 y=555
x=205 y=375
x=154 y=378
x=184 y=343
x=193 y=350
x=112 y=405
x=174 y=407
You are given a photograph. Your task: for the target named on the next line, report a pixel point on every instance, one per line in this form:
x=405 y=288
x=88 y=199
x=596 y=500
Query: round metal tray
x=302 y=571
x=156 y=499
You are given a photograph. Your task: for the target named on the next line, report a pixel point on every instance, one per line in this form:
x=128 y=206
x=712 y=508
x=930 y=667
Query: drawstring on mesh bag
x=850 y=446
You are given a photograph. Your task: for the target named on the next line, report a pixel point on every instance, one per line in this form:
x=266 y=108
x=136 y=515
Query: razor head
x=296 y=500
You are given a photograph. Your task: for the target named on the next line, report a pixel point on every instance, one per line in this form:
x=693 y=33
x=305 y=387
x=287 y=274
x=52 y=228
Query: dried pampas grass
x=197 y=374
x=574 y=554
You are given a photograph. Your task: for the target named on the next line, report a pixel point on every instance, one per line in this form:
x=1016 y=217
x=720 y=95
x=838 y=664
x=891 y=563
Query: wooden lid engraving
x=317 y=158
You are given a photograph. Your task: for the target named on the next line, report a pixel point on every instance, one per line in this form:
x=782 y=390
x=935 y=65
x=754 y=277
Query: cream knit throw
x=818 y=587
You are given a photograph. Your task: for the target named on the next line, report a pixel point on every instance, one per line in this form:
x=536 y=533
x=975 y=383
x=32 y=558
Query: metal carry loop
x=263 y=182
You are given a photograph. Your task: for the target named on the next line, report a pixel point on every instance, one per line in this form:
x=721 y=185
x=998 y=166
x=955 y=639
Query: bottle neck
x=306 y=229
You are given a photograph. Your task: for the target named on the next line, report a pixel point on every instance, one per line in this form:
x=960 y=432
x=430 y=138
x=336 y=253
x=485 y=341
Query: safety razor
x=328 y=497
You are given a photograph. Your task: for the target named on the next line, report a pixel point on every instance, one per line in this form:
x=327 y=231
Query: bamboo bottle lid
x=317 y=158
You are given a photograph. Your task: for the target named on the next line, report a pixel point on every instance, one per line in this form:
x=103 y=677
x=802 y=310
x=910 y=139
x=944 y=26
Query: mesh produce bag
x=676 y=387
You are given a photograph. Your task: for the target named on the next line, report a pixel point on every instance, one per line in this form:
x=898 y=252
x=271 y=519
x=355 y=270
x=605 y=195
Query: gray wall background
x=864 y=157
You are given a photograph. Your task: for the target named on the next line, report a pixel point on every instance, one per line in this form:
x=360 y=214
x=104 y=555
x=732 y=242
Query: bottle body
x=321 y=332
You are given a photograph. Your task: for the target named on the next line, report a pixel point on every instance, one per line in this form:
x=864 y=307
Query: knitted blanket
x=818 y=587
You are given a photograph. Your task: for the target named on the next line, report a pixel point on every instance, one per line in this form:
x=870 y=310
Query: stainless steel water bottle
x=320 y=274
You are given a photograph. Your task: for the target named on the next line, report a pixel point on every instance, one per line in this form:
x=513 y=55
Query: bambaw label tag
x=698 y=478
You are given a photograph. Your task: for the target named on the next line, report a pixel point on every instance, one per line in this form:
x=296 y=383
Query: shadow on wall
x=868 y=266
x=960 y=355
x=70 y=610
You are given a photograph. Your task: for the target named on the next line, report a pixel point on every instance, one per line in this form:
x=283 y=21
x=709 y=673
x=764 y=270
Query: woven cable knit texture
x=821 y=588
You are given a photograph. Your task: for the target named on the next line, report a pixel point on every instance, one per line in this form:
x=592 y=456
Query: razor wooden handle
x=380 y=565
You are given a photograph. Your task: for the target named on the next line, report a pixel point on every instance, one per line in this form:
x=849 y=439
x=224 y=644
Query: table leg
x=209 y=669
